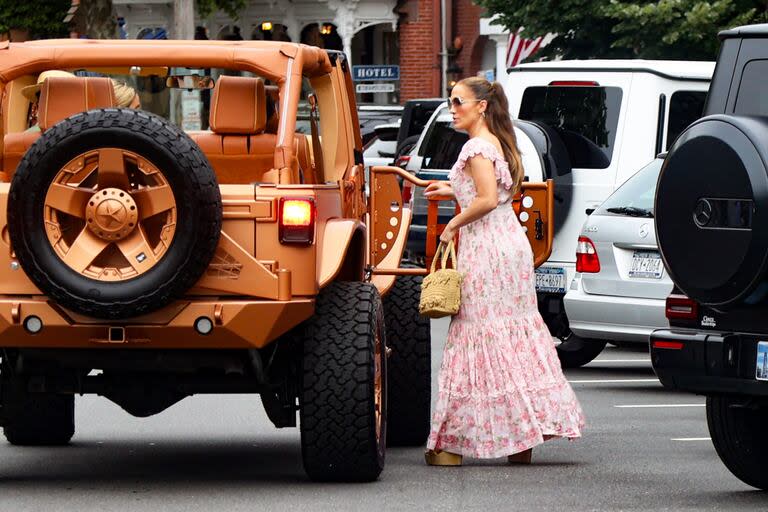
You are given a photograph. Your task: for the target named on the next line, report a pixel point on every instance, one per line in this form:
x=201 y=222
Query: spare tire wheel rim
x=110 y=214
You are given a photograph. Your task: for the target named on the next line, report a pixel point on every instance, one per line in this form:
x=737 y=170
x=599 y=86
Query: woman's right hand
x=439 y=188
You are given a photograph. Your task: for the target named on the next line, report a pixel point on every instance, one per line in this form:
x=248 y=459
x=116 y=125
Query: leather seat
x=60 y=97
x=237 y=147
x=303 y=151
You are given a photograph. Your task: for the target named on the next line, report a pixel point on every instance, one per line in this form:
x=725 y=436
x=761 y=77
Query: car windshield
x=442 y=145
x=635 y=197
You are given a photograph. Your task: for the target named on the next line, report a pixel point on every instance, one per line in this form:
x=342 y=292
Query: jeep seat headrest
x=61 y=97
x=238 y=106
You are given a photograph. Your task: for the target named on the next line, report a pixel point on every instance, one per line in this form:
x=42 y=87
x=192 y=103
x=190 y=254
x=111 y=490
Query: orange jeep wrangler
x=145 y=264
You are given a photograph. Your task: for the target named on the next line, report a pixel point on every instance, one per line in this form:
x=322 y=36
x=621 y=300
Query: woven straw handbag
x=441 y=289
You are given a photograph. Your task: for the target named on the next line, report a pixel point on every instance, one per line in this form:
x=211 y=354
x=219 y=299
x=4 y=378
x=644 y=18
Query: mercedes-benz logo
x=703 y=213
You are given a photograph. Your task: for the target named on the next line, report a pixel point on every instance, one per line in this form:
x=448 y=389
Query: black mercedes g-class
x=712 y=229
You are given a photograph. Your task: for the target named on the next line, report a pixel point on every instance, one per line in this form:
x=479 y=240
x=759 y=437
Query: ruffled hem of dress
x=502 y=389
x=480 y=146
x=509 y=425
x=514 y=448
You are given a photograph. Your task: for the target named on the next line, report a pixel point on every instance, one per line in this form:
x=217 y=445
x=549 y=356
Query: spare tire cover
x=711 y=209
x=114 y=213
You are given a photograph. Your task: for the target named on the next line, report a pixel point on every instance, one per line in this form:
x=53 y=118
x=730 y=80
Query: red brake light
x=573 y=83
x=403 y=160
x=681 y=307
x=672 y=345
x=586 y=256
x=407 y=192
x=297 y=220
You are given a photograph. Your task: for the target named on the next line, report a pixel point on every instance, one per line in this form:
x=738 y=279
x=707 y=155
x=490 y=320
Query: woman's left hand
x=449 y=233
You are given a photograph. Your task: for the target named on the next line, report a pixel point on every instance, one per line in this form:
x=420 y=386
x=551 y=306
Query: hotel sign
x=375 y=73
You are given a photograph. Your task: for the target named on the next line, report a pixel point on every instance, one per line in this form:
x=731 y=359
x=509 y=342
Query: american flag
x=519 y=48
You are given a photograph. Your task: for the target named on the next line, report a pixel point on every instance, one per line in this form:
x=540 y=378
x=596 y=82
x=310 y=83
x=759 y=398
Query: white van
x=604 y=120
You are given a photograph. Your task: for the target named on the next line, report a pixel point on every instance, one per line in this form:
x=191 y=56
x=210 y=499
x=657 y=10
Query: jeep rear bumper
x=707 y=363
x=236 y=324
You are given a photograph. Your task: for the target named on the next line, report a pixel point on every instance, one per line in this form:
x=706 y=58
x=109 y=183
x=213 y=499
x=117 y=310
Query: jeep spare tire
x=114 y=213
x=711 y=209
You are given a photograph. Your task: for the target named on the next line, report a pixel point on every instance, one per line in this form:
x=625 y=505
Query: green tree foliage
x=232 y=7
x=42 y=18
x=628 y=28
x=679 y=28
x=96 y=19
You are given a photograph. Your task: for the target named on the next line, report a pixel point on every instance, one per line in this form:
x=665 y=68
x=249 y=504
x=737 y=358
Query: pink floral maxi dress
x=501 y=389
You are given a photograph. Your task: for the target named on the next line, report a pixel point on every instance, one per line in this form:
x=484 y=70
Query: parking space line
x=688 y=439
x=653 y=406
x=619 y=361
x=611 y=381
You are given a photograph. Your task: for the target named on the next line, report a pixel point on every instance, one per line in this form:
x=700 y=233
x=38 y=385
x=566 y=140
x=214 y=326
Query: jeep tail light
x=586 y=256
x=681 y=307
x=297 y=220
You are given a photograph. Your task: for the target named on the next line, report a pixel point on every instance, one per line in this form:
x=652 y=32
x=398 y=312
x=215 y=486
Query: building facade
x=434 y=42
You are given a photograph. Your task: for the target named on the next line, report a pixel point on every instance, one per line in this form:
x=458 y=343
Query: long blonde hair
x=124 y=94
x=499 y=123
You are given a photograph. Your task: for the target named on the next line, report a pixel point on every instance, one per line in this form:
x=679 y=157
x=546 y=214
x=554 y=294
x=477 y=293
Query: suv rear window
x=752 y=99
x=684 y=108
x=586 y=119
x=442 y=145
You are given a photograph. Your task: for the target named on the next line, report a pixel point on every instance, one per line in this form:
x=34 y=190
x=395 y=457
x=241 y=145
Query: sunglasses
x=458 y=101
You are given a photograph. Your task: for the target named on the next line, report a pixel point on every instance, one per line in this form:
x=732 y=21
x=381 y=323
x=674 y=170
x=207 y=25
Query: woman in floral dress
x=501 y=389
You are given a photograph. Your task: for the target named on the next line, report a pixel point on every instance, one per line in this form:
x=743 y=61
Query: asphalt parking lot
x=644 y=449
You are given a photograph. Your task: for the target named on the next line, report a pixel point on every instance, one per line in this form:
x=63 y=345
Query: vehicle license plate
x=761 y=366
x=550 y=279
x=646 y=264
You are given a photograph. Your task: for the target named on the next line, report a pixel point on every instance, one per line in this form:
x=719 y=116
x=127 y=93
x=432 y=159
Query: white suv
x=604 y=120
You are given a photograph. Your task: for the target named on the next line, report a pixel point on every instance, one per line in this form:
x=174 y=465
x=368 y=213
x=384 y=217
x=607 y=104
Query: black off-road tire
x=339 y=440
x=574 y=351
x=35 y=419
x=188 y=172
x=409 y=364
x=738 y=433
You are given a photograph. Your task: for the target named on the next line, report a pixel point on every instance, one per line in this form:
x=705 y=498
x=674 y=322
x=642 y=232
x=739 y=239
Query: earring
x=482 y=113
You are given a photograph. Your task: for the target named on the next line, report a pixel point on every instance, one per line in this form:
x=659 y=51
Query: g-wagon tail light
x=669 y=345
x=586 y=256
x=681 y=307
x=297 y=220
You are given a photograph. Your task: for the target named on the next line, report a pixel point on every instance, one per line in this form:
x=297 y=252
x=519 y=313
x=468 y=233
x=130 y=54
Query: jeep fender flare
x=340 y=246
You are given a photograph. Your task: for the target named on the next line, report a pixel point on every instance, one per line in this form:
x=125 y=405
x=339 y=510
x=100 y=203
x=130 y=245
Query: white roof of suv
x=675 y=69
